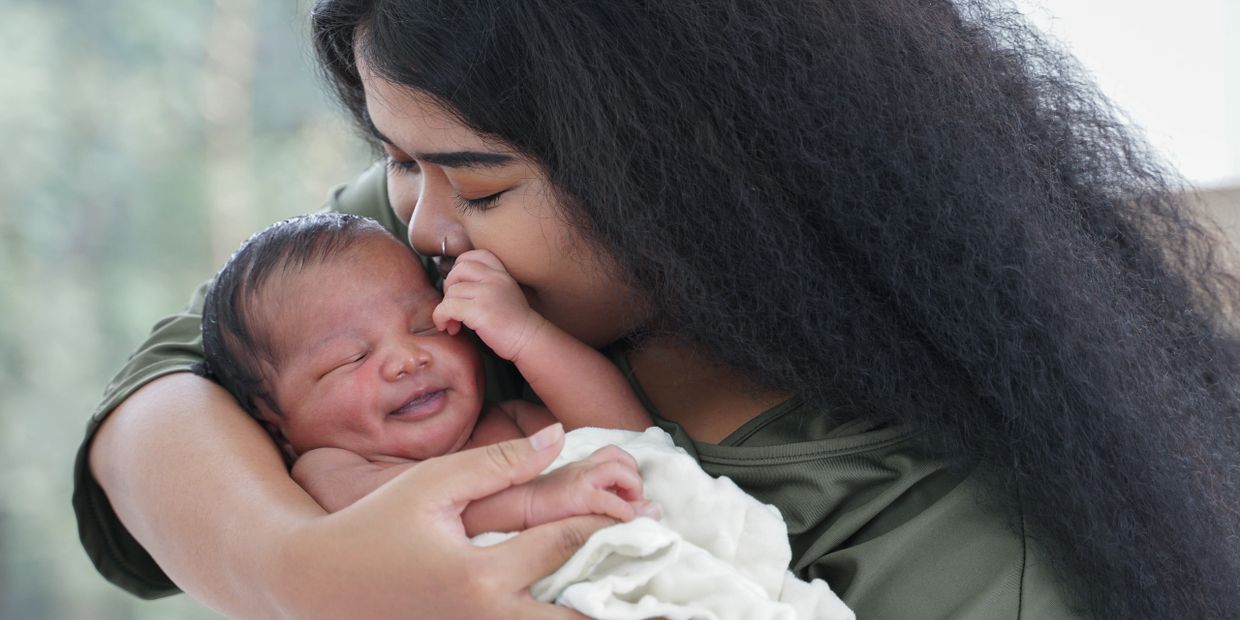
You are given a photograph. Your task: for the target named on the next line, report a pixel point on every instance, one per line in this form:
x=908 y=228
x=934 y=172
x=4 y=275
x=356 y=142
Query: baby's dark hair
x=235 y=347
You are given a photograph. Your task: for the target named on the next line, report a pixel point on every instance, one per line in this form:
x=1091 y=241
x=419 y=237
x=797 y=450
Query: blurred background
x=144 y=140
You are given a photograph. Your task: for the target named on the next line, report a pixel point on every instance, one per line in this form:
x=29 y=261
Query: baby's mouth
x=421 y=406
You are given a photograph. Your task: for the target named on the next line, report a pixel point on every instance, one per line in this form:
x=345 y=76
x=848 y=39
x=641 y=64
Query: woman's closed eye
x=402 y=166
x=483 y=203
x=466 y=205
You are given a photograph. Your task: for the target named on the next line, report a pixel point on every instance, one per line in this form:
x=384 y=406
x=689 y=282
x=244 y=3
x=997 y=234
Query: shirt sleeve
x=175 y=344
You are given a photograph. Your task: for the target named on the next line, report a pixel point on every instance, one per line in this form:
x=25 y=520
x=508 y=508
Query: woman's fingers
x=539 y=551
x=404 y=545
x=453 y=480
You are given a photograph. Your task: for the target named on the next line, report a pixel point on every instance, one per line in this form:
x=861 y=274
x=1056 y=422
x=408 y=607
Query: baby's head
x=321 y=328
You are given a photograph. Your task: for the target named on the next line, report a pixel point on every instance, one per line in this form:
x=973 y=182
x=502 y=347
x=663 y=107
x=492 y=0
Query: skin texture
x=361 y=365
x=504 y=206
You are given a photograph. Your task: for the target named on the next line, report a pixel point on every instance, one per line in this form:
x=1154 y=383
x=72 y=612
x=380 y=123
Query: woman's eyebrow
x=465 y=159
x=451 y=159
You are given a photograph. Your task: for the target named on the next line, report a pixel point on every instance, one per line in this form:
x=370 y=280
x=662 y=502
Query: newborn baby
x=327 y=329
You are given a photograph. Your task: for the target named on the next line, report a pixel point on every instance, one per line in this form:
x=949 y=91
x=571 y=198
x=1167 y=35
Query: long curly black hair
x=911 y=209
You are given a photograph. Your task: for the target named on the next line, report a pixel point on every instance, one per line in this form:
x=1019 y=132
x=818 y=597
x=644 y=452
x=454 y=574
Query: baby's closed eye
x=344 y=363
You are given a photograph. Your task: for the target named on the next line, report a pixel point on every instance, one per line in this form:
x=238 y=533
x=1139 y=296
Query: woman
x=891 y=265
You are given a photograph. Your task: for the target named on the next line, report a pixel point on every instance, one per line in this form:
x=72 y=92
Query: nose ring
x=444 y=262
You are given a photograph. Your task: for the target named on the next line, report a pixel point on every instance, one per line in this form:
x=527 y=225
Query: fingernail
x=650 y=510
x=547 y=437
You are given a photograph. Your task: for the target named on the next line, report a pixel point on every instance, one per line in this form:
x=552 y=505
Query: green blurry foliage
x=139 y=139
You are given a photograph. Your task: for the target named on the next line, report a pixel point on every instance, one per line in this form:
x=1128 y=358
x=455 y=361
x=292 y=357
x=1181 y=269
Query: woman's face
x=450 y=184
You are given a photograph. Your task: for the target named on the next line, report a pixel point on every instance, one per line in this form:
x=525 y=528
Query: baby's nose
x=406 y=362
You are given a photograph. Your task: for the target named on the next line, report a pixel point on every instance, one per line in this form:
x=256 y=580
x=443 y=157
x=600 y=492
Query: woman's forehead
x=414 y=121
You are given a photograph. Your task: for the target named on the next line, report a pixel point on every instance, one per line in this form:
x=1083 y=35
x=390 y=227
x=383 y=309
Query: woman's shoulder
x=367 y=195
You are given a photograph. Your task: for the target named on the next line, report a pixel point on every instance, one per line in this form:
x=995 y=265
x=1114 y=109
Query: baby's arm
x=336 y=478
x=579 y=385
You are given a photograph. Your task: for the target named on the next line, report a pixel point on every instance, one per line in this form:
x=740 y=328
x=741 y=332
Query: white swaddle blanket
x=717 y=553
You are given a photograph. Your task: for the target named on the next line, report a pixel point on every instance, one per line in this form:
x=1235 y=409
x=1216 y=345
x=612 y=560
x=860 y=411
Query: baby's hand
x=606 y=483
x=479 y=293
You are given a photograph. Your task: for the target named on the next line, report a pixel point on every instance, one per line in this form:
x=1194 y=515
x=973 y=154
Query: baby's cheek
x=472 y=365
x=459 y=354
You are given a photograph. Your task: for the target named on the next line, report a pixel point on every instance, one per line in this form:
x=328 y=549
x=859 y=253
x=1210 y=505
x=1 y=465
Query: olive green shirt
x=895 y=534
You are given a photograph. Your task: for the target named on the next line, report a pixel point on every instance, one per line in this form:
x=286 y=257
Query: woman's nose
x=427 y=226
x=434 y=227
x=406 y=361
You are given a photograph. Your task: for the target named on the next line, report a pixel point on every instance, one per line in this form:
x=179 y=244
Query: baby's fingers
x=615 y=456
x=609 y=505
x=464 y=271
x=485 y=257
x=649 y=509
x=449 y=315
x=617 y=478
x=475 y=266
x=612 y=453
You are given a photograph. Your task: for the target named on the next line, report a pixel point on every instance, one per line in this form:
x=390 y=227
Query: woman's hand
x=205 y=491
x=402 y=551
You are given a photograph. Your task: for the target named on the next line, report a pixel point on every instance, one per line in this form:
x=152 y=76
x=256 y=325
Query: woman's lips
x=421 y=407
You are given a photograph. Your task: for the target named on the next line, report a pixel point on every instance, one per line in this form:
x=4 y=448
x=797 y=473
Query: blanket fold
x=717 y=553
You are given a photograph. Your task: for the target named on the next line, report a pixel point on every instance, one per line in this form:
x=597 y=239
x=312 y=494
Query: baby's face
x=361 y=365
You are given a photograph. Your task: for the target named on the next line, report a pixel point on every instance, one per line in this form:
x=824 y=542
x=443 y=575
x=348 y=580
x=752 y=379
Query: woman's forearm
x=204 y=490
x=202 y=487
